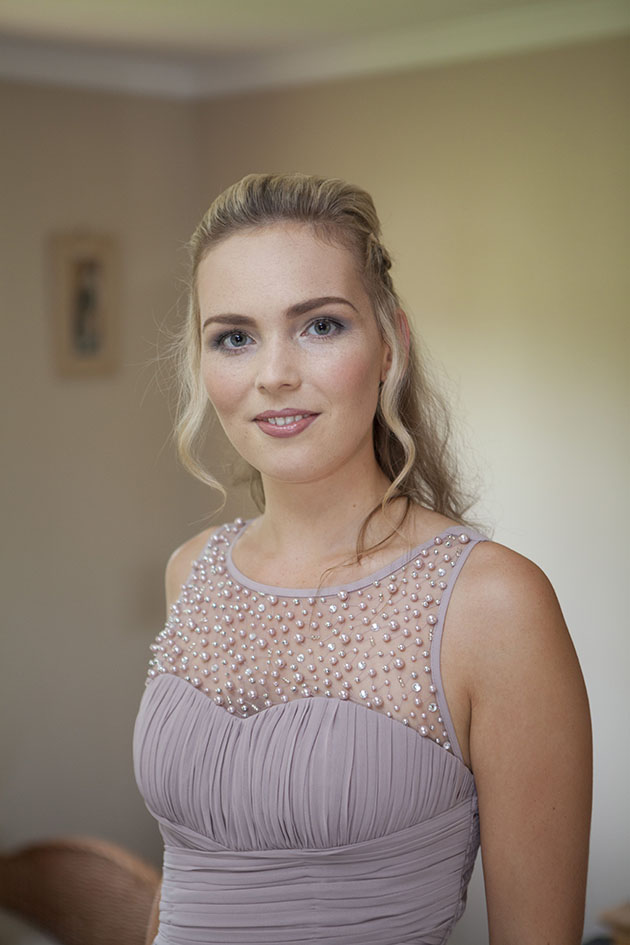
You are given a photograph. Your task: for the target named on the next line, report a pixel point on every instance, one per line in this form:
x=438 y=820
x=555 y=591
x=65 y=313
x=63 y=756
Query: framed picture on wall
x=85 y=302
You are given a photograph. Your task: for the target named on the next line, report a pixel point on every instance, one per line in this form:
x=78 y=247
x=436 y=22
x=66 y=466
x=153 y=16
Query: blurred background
x=494 y=138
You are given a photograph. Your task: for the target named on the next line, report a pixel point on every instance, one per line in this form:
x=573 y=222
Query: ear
x=386 y=362
x=402 y=328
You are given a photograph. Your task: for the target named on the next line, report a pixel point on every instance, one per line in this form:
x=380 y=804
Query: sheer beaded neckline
x=330 y=591
x=375 y=641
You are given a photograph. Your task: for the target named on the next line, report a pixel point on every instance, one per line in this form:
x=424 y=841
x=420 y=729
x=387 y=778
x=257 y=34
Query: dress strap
x=452 y=565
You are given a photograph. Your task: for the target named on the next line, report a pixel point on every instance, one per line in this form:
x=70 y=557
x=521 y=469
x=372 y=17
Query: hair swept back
x=411 y=427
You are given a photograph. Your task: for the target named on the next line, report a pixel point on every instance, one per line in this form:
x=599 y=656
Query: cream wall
x=503 y=192
x=92 y=501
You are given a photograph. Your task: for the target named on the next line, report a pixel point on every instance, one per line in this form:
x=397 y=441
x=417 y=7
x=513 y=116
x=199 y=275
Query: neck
x=324 y=516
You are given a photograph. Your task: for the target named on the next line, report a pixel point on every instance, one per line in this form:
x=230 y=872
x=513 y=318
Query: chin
x=292 y=475
x=295 y=462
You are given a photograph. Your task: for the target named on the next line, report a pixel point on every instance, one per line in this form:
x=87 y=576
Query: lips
x=285 y=413
x=286 y=422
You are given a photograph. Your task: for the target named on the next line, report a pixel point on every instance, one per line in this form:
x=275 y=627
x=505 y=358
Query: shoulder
x=508 y=623
x=498 y=581
x=179 y=564
x=529 y=744
x=505 y=591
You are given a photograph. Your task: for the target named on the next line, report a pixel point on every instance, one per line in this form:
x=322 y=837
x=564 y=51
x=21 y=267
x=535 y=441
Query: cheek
x=209 y=381
x=221 y=383
x=355 y=380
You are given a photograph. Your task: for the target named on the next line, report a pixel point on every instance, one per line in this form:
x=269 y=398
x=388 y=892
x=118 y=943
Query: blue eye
x=324 y=327
x=236 y=338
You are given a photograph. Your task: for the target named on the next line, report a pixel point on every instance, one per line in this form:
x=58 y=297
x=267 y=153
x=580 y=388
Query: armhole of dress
x=436 y=644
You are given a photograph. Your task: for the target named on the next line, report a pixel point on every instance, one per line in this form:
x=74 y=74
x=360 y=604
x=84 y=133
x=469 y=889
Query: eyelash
x=218 y=342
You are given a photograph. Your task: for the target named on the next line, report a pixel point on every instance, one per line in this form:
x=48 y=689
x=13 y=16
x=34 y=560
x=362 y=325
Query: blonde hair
x=411 y=424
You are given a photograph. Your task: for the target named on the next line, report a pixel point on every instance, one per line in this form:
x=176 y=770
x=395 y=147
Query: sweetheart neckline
x=356 y=706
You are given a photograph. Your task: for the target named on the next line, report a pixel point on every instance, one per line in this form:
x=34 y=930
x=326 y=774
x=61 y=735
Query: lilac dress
x=296 y=749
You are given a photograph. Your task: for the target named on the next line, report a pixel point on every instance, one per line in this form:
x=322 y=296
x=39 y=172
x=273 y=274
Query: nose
x=279 y=367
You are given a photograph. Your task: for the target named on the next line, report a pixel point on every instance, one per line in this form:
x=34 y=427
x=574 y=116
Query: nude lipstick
x=284 y=423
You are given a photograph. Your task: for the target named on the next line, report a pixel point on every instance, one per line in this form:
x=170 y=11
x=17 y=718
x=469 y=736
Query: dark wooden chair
x=80 y=890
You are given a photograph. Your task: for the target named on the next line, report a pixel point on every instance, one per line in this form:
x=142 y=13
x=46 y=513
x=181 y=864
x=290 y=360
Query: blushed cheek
x=227 y=398
x=219 y=387
x=223 y=404
x=356 y=380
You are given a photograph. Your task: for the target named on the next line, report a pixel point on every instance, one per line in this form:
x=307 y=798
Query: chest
x=374 y=642
x=311 y=773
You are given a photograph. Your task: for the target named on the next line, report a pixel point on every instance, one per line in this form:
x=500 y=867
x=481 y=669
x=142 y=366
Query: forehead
x=278 y=257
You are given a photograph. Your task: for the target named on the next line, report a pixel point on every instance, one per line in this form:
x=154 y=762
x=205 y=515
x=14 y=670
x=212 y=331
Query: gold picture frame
x=85 y=276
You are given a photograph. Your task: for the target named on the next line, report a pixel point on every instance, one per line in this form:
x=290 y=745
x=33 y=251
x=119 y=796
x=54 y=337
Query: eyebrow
x=300 y=308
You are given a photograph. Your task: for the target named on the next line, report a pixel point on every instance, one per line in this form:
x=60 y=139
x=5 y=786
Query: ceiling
x=194 y=48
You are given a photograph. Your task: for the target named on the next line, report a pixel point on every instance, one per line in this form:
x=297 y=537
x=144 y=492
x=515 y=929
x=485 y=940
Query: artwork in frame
x=85 y=303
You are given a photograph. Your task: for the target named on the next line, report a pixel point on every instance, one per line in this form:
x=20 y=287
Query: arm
x=154 y=920
x=177 y=570
x=530 y=751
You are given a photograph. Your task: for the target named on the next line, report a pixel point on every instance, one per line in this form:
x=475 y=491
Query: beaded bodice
x=376 y=641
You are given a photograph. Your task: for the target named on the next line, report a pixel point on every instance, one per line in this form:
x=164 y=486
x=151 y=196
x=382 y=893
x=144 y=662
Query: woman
x=321 y=745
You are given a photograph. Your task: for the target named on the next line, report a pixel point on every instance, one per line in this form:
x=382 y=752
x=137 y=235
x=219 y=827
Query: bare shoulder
x=504 y=607
x=507 y=626
x=498 y=580
x=499 y=593
x=527 y=735
x=181 y=561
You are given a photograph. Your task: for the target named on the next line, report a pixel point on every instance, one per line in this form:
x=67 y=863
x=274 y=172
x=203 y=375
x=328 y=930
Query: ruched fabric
x=316 y=820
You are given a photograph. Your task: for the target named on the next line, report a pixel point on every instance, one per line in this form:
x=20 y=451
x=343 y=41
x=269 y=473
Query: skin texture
x=328 y=360
x=515 y=687
x=154 y=920
x=510 y=672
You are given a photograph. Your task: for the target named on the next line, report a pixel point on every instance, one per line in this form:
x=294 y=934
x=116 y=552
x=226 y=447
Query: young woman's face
x=291 y=352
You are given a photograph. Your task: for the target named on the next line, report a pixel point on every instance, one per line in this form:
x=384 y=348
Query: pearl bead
x=261 y=638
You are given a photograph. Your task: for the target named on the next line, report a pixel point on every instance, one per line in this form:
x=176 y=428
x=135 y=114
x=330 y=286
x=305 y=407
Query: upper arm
x=180 y=563
x=154 y=918
x=530 y=751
